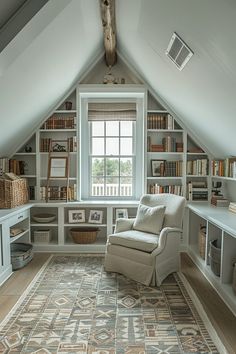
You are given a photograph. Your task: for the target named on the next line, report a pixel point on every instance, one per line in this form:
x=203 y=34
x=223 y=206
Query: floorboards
x=219 y=314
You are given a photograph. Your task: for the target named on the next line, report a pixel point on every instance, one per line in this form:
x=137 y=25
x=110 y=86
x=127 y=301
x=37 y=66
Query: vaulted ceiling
x=53 y=50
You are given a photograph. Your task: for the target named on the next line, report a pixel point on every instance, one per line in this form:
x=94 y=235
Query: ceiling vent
x=178 y=51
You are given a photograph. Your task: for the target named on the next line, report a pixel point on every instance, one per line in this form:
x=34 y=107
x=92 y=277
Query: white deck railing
x=111 y=189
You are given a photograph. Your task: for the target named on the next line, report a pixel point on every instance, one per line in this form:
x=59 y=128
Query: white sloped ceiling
x=203 y=94
x=42 y=63
x=53 y=50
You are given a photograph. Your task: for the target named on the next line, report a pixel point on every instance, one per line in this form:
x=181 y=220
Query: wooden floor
x=218 y=313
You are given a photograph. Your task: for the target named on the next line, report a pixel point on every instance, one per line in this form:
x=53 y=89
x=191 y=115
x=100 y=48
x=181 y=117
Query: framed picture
x=95 y=216
x=59 y=145
x=58 y=167
x=76 y=216
x=158 y=168
x=121 y=213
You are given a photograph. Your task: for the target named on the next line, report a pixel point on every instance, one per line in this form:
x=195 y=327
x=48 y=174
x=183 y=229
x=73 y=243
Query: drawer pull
x=20 y=217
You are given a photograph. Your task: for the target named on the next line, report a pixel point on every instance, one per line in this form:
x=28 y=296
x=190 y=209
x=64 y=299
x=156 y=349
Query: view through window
x=112 y=157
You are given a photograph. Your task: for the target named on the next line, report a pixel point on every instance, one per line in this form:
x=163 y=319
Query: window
x=111 y=160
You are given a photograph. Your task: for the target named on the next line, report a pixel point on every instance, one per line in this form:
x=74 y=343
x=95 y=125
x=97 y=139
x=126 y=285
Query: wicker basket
x=215 y=257
x=202 y=241
x=13 y=193
x=42 y=236
x=234 y=279
x=84 y=234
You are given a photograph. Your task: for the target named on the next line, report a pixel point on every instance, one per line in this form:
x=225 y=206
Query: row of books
x=17 y=167
x=197 y=190
x=197 y=167
x=4 y=165
x=157 y=189
x=58 y=192
x=59 y=122
x=170 y=169
x=47 y=144
x=232 y=207
x=224 y=168
x=160 y=121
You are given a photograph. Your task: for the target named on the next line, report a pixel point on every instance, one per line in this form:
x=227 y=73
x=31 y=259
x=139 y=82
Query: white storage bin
x=42 y=236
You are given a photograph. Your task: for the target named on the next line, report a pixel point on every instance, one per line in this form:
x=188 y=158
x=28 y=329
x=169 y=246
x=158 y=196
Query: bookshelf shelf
x=196 y=153
x=63 y=111
x=164 y=130
x=57 y=130
x=157 y=111
x=25 y=154
x=165 y=153
x=59 y=179
x=224 y=178
x=163 y=178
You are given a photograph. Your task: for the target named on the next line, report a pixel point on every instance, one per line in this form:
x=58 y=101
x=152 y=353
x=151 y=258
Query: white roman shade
x=112 y=111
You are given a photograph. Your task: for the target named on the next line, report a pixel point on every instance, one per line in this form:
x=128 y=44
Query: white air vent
x=178 y=51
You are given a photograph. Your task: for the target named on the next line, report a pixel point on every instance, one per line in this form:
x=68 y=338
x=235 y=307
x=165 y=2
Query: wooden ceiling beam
x=109 y=30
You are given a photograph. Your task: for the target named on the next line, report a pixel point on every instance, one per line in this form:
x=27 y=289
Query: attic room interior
x=117 y=176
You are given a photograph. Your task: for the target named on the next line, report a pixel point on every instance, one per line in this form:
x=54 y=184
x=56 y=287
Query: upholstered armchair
x=146 y=249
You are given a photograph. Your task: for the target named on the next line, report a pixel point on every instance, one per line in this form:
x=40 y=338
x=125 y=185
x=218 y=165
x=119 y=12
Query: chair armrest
x=124 y=224
x=174 y=231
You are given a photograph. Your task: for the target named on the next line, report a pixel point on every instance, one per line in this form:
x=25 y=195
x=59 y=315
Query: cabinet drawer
x=18 y=217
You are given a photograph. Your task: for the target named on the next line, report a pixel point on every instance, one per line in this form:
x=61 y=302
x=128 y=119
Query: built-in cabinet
x=221 y=226
x=60 y=228
x=12 y=222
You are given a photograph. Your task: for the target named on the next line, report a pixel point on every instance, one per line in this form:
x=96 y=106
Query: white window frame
x=88 y=93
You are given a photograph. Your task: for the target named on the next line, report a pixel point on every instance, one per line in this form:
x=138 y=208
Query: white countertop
x=220 y=216
x=6 y=213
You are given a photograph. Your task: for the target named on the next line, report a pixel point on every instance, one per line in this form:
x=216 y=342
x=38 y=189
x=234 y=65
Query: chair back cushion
x=149 y=218
x=174 y=207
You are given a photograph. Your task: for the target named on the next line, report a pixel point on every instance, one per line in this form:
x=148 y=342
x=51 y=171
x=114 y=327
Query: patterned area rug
x=73 y=306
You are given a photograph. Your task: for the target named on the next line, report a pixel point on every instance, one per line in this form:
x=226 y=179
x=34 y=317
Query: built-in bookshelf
x=175 y=162
x=56 y=136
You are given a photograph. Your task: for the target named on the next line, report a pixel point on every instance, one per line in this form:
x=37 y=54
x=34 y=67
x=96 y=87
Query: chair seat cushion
x=138 y=240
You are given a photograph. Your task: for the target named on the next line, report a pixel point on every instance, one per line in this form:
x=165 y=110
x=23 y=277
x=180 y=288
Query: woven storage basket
x=21 y=254
x=234 y=278
x=215 y=257
x=13 y=193
x=202 y=241
x=84 y=234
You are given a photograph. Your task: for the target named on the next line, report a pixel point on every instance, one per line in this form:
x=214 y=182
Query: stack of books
x=157 y=148
x=197 y=190
x=219 y=201
x=232 y=207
